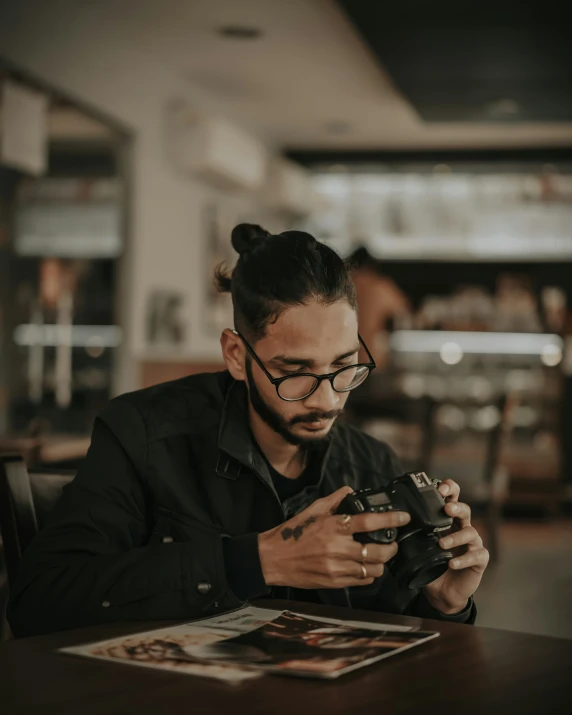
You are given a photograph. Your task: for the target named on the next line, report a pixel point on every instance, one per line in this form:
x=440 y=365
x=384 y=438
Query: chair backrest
x=46 y=487
x=474 y=461
x=407 y=424
x=25 y=500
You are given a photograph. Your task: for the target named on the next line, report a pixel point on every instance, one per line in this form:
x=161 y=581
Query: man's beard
x=280 y=425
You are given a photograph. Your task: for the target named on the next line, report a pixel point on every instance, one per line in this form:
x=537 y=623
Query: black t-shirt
x=287 y=487
x=245 y=575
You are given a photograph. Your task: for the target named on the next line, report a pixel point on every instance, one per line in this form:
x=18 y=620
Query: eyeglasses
x=301 y=385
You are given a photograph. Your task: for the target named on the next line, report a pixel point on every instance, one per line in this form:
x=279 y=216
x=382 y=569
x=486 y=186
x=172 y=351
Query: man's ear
x=233 y=353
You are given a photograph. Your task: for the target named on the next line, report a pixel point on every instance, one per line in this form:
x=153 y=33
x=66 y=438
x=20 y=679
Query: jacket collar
x=236 y=440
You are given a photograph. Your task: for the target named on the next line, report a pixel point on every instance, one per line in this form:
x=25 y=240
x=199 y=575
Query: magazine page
x=295 y=644
x=240 y=621
x=165 y=648
x=364 y=624
x=243 y=644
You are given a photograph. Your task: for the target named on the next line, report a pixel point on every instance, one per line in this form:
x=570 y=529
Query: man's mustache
x=315 y=417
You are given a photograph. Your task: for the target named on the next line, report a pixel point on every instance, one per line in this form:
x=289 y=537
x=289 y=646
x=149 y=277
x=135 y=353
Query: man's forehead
x=312 y=329
x=317 y=345
x=304 y=322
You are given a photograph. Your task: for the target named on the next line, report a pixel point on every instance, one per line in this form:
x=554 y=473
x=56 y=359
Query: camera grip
x=352 y=505
x=381 y=536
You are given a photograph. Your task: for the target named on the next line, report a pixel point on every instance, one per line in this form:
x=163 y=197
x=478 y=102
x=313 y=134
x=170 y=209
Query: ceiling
x=72 y=125
x=485 y=61
x=310 y=80
x=65 y=121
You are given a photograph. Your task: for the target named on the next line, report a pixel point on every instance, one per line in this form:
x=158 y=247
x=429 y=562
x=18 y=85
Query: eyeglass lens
x=299 y=386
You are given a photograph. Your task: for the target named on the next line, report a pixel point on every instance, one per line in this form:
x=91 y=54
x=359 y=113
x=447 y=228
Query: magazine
x=245 y=644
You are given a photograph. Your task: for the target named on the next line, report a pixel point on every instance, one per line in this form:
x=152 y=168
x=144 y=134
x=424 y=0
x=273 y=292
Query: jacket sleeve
x=421 y=608
x=94 y=560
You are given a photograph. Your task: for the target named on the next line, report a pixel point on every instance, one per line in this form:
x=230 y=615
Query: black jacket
x=172 y=470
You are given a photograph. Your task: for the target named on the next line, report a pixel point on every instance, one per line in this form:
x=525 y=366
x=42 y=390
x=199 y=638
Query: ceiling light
x=338 y=126
x=240 y=32
x=504 y=108
x=78 y=336
x=486 y=418
x=481 y=343
x=551 y=355
x=451 y=353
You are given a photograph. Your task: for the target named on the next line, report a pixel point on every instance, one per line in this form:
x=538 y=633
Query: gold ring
x=345 y=521
x=363 y=571
x=364 y=552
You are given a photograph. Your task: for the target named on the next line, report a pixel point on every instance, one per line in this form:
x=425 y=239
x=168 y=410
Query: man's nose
x=324 y=399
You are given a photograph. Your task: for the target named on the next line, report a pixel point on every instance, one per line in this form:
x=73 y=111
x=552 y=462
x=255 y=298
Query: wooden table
x=468 y=670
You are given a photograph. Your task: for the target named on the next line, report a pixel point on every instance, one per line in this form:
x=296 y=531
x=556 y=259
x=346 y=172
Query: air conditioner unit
x=216 y=151
x=289 y=188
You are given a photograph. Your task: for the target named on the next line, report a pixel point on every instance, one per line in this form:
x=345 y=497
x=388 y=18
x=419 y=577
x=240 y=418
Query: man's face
x=312 y=338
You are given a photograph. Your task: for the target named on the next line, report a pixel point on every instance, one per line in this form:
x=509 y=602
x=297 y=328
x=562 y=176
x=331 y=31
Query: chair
x=25 y=500
x=484 y=484
x=407 y=424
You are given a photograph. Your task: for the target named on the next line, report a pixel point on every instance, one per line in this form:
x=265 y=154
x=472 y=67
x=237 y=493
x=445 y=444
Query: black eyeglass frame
x=277 y=381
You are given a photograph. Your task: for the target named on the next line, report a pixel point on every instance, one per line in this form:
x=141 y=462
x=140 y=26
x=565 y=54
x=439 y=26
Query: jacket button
x=167 y=539
x=204 y=587
x=106 y=604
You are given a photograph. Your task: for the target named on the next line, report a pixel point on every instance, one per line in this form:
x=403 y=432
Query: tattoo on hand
x=297 y=531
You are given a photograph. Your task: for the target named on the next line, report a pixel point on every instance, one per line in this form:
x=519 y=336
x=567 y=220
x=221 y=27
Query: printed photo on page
x=294 y=644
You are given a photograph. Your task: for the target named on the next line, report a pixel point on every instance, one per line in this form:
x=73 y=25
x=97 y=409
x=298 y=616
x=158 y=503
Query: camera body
x=420 y=559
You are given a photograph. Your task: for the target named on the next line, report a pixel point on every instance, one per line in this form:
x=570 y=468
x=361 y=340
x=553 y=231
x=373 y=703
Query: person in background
x=203 y=493
x=380 y=302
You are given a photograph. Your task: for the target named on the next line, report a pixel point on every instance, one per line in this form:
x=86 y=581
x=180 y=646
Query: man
x=200 y=494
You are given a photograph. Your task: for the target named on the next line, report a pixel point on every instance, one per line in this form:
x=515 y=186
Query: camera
x=420 y=560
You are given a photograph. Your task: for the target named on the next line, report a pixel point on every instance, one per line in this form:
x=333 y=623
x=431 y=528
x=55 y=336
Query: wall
x=75 y=48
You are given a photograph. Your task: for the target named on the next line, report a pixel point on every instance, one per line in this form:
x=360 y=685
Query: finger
x=374 y=553
x=351 y=582
x=374 y=570
x=459 y=511
x=449 y=490
x=355 y=570
x=467 y=536
x=329 y=504
x=372 y=521
x=477 y=559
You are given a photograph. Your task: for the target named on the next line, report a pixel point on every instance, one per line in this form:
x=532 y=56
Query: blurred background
x=429 y=142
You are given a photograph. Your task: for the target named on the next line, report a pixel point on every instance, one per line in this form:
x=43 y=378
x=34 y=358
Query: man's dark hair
x=274 y=272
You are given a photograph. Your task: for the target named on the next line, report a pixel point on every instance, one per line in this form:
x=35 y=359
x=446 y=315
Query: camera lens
x=419 y=561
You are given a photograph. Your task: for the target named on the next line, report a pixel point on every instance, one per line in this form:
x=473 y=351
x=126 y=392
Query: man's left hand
x=451 y=591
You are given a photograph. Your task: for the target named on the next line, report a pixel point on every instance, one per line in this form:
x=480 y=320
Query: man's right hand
x=316 y=548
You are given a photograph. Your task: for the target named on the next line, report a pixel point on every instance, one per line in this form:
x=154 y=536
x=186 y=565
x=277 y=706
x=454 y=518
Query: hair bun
x=299 y=236
x=246 y=236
